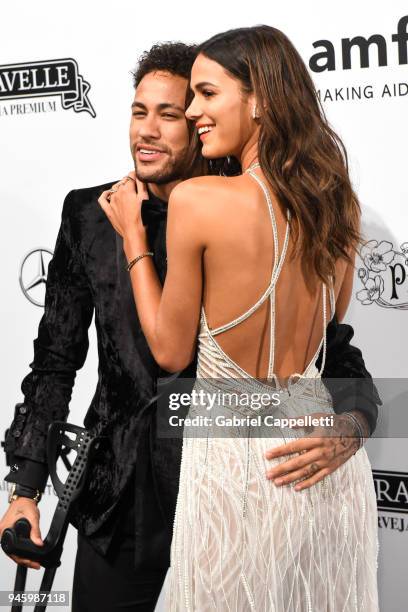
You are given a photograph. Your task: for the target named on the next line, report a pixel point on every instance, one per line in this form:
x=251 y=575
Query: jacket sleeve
x=346 y=377
x=59 y=351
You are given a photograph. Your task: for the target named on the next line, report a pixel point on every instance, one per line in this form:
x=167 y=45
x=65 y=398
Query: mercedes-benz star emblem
x=33 y=275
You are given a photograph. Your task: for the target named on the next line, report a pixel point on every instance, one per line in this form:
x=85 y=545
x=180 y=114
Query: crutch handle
x=16 y=540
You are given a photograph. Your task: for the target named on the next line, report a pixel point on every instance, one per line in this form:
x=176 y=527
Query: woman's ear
x=254 y=107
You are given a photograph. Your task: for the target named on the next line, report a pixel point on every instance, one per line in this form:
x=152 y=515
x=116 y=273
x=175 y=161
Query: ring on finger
x=125 y=180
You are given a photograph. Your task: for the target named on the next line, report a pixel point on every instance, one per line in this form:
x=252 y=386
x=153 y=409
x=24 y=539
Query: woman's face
x=221 y=111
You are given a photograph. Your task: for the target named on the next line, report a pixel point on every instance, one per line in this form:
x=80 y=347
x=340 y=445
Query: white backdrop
x=45 y=154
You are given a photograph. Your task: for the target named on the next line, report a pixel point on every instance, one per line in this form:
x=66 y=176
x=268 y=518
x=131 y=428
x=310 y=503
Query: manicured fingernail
x=278 y=481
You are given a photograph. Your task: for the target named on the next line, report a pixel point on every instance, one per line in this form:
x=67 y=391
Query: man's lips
x=148 y=153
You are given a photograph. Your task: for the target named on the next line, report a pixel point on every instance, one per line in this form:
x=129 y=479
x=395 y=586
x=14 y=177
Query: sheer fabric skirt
x=242 y=544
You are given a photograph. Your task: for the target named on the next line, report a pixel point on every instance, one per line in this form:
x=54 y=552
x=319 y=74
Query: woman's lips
x=206 y=130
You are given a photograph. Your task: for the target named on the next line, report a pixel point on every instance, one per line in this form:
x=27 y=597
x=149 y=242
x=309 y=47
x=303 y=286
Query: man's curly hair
x=174 y=57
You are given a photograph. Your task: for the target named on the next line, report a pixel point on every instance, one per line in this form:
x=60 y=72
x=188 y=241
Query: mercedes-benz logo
x=33 y=275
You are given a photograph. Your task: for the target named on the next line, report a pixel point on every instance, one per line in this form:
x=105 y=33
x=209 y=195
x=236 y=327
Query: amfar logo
x=384 y=275
x=326 y=58
x=33 y=275
x=43 y=79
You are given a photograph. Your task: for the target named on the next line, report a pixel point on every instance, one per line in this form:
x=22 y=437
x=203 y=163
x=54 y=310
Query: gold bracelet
x=132 y=263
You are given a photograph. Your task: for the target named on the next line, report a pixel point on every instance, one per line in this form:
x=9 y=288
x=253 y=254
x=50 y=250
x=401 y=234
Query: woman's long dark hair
x=303 y=159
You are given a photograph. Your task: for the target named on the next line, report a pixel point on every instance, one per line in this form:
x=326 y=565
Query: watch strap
x=19 y=490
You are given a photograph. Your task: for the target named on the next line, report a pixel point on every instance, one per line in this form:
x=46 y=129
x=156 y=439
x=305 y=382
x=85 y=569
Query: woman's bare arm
x=168 y=315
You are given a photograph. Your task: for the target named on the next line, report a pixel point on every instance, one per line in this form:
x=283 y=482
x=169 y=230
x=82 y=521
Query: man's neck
x=163 y=191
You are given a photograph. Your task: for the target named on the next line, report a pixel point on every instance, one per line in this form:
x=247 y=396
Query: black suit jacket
x=87 y=276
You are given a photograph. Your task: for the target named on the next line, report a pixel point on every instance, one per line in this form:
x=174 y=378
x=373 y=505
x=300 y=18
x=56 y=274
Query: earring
x=255 y=112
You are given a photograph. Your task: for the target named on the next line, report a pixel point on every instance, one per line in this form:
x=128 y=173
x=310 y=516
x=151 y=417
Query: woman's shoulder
x=203 y=189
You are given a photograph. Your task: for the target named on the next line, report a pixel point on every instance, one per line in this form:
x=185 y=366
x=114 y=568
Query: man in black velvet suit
x=124 y=517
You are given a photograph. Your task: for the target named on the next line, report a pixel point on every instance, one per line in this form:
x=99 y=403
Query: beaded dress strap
x=277 y=266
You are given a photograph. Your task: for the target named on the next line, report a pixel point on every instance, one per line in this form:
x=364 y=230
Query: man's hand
x=322 y=451
x=23 y=507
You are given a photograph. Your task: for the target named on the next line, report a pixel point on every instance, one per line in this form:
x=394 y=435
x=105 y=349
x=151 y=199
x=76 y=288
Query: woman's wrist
x=134 y=244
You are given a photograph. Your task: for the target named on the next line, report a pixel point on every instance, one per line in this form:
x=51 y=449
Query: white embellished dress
x=242 y=544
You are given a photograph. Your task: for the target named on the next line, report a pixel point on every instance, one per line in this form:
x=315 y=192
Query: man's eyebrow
x=138 y=105
x=160 y=107
x=165 y=105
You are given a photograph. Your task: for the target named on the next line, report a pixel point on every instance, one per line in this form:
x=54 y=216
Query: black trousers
x=112 y=583
x=102 y=585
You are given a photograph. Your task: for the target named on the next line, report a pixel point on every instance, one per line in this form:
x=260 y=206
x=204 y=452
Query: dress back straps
x=270 y=291
x=277 y=266
x=325 y=322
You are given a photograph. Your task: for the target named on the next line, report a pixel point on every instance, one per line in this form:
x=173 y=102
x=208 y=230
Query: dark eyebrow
x=138 y=105
x=160 y=107
x=203 y=84
x=166 y=105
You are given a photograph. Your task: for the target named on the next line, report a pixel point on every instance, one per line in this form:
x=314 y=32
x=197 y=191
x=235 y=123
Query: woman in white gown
x=266 y=257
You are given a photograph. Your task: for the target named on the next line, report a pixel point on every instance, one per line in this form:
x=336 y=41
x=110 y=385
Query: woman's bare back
x=238 y=263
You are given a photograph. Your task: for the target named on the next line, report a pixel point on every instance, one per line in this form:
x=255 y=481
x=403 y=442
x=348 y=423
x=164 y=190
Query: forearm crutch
x=16 y=540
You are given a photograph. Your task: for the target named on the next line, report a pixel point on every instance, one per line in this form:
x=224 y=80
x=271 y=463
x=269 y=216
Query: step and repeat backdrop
x=65 y=96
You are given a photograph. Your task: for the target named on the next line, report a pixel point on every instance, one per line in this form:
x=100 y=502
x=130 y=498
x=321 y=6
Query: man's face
x=159 y=136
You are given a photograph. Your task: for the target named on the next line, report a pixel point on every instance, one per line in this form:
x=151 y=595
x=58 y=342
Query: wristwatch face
x=12 y=495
